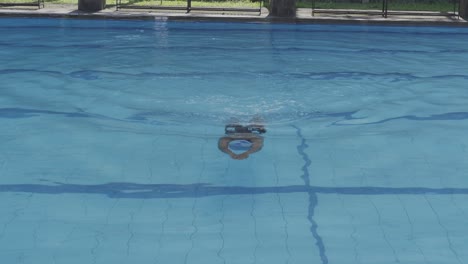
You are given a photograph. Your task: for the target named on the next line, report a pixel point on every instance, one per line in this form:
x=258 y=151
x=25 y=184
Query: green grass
x=392 y=6
x=232 y=4
x=18 y=1
x=182 y=3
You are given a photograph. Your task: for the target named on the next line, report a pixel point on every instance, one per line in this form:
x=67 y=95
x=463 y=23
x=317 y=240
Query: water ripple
x=157 y=191
x=341 y=75
x=141 y=28
x=313 y=199
x=243 y=49
x=451 y=116
x=162 y=117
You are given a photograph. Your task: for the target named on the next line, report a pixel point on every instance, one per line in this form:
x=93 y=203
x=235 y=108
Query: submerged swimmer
x=242 y=139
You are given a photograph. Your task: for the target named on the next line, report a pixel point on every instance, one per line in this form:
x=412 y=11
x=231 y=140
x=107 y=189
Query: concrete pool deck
x=304 y=15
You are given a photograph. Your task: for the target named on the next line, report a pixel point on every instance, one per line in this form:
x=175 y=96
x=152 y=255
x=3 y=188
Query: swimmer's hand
x=240 y=156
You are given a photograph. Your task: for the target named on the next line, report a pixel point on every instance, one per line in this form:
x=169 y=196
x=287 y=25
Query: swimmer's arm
x=223 y=145
x=257 y=144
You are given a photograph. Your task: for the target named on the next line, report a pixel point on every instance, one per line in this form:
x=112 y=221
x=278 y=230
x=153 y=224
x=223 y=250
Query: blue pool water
x=109 y=133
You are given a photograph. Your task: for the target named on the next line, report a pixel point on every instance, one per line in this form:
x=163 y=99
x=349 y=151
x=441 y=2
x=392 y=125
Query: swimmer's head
x=260 y=130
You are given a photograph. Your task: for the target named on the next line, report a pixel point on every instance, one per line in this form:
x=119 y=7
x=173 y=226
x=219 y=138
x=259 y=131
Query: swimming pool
x=109 y=143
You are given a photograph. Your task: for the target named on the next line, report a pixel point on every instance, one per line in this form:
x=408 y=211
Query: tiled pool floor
x=347 y=201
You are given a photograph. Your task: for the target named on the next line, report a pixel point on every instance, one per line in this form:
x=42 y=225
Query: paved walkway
x=304 y=15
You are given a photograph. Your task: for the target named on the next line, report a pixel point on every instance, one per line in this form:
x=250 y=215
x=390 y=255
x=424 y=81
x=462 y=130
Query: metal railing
x=39 y=4
x=187 y=6
x=432 y=8
x=353 y=10
x=387 y=7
